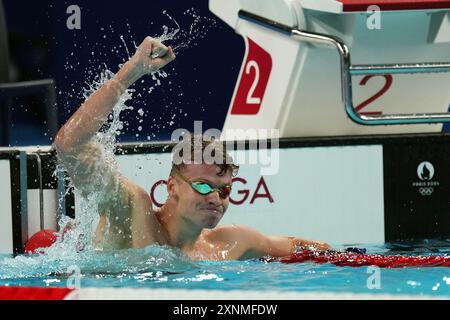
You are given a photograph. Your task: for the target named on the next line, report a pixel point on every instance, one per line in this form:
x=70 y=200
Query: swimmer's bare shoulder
x=145 y=228
x=124 y=207
x=132 y=222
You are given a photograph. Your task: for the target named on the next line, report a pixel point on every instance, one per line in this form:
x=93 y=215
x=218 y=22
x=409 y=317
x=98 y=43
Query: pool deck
x=177 y=294
x=30 y=293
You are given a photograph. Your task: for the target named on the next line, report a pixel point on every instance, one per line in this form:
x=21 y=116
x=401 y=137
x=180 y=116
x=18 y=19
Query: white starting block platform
x=296 y=78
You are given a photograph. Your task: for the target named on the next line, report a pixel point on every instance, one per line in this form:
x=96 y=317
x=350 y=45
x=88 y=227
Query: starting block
x=337 y=68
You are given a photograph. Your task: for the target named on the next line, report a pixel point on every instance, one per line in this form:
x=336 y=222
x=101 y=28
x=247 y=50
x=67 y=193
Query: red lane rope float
x=41 y=239
x=351 y=259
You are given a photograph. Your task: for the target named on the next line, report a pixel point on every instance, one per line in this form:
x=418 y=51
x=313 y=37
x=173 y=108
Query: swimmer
x=198 y=194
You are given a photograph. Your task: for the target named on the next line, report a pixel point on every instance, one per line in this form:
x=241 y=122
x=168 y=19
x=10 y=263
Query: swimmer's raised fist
x=151 y=56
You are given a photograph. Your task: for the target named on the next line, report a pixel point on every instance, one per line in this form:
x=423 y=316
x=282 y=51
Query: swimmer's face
x=204 y=211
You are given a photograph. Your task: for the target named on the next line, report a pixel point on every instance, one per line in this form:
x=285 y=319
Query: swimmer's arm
x=83 y=159
x=88 y=119
x=256 y=244
x=290 y=245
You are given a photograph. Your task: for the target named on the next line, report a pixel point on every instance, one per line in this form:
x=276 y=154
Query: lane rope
x=358 y=259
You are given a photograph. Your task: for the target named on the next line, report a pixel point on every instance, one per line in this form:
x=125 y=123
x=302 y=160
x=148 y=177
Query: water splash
x=182 y=38
x=166 y=34
x=153 y=258
x=183 y=31
x=77 y=235
x=125 y=45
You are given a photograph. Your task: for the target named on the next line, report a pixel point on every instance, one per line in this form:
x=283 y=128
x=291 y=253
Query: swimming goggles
x=205 y=188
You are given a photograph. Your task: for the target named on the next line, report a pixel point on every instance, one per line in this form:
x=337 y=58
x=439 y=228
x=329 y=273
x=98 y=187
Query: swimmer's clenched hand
x=151 y=56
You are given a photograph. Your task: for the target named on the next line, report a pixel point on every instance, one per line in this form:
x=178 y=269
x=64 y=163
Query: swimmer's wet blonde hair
x=196 y=144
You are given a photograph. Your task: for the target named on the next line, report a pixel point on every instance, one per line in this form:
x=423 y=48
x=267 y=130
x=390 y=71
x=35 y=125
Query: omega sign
x=243 y=194
x=426 y=185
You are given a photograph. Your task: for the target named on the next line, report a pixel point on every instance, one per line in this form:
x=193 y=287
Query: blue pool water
x=159 y=267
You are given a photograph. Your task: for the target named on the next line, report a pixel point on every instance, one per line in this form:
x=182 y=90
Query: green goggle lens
x=204 y=189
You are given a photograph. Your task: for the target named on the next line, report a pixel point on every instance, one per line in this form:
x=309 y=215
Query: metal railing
x=348 y=70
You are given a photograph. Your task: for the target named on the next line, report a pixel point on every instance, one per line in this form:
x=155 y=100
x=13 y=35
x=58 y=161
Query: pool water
x=164 y=268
